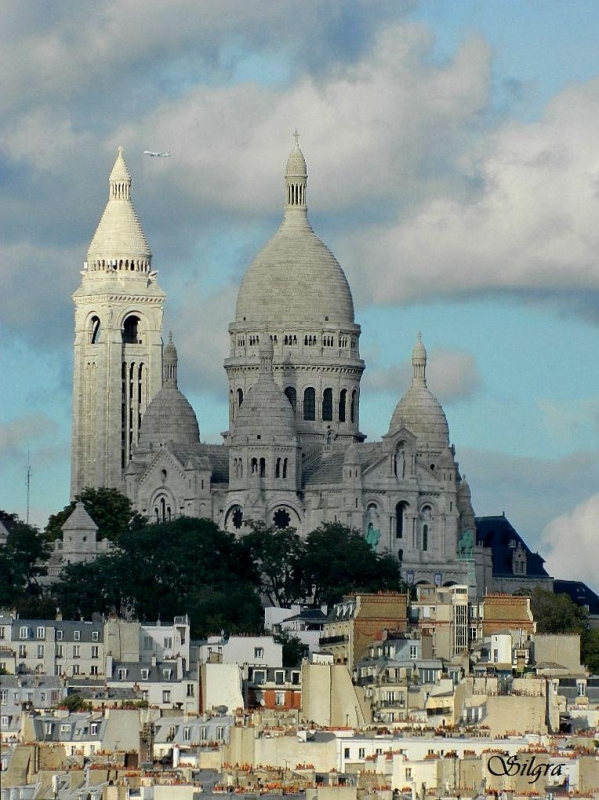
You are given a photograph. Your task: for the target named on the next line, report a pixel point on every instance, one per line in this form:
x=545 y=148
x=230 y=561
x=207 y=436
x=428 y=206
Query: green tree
x=110 y=510
x=22 y=562
x=339 y=561
x=556 y=613
x=590 y=651
x=161 y=571
x=276 y=555
x=294 y=650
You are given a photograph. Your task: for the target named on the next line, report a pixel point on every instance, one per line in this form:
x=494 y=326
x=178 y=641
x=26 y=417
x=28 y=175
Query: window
x=581 y=689
x=259 y=677
x=425 y=537
x=41 y=633
x=144 y=674
x=76 y=651
x=77 y=636
x=93 y=670
x=203 y=734
x=327 y=405
x=342 y=404
x=147 y=645
x=22 y=651
x=40 y=651
x=310 y=404
x=346 y=752
x=130 y=330
x=95 y=331
x=94 y=728
x=167 y=674
x=279 y=698
x=2 y=632
x=23 y=633
x=168 y=642
x=95 y=636
x=352 y=408
x=49 y=727
x=75 y=669
x=190 y=690
x=413 y=651
x=258 y=652
x=95 y=651
x=400 y=519
x=3 y=696
x=220 y=733
x=122 y=673
x=279 y=677
x=362 y=752
x=166 y=696
x=4 y=721
x=59 y=636
x=58 y=651
x=187 y=734
x=281 y=518
x=291 y=395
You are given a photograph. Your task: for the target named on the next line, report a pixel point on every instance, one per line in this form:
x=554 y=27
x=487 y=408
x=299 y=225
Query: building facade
x=293 y=454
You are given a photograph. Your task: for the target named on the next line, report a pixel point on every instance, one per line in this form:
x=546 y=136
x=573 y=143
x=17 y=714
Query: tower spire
x=169 y=363
x=419 y=359
x=296 y=180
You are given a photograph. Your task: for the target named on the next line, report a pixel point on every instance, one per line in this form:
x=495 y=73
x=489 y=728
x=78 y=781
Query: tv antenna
x=28 y=486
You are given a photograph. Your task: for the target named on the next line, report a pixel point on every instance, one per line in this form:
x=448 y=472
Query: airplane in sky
x=154 y=153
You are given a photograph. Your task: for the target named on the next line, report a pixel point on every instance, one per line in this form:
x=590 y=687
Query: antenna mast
x=28 y=485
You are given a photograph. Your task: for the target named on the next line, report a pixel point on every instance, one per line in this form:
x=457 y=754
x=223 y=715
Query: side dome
x=265 y=412
x=169 y=417
x=295 y=278
x=419 y=410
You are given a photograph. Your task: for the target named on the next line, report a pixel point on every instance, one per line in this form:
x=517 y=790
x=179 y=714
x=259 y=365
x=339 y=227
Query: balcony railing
x=328 y=640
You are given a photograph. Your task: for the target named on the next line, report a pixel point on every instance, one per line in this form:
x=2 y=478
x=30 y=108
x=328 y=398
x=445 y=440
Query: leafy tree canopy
x=160 y=571
x=556 y=613
x=110 y=510
x=339 y=561
x=21 y=564
x=276 y=556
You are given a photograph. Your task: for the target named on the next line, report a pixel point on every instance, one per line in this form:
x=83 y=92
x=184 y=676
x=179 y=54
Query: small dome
x=265 y=411
x=169 y=418
x=419 y=410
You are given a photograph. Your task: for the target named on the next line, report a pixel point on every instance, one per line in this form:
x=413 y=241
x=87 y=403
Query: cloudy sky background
x=453 y=156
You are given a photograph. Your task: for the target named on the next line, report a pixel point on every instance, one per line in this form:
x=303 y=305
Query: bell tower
x=118 y=342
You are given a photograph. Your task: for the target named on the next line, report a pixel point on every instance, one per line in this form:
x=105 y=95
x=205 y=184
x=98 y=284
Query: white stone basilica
x=293 y=454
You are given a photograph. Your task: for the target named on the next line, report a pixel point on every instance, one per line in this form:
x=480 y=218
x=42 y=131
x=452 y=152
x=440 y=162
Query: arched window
x=254 y=466
x=239 y=397
x=130 y=330
x=278 y=468
x=352 y=408
x=262 y=467
x=327 y=405
x=310 y=403
x=96 y=328
x=291 y=395
x=342 y=404
x=285 y=467
x=425 y=537
x=400 y=555
x=400 y=519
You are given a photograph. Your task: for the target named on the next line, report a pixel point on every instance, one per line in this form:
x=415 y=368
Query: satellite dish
x=222 y=710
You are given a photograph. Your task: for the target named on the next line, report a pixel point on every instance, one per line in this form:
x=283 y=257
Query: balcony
x=330 y=640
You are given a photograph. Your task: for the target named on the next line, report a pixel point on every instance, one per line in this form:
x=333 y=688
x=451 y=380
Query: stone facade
x=293 y=454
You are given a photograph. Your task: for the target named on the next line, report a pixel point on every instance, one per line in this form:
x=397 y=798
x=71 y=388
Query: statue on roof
x=466 y=544
x=373 y=535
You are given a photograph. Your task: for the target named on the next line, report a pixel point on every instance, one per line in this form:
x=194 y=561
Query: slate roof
x=323 y=467
x=579 y=593
x=217 y=455
x=497 y=533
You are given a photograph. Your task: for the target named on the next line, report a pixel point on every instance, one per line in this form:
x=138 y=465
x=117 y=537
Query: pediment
x=163 y=459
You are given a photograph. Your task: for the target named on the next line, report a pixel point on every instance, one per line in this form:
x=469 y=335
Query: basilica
x=293 y=454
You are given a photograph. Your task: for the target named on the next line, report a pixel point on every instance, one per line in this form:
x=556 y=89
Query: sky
x=453 y=163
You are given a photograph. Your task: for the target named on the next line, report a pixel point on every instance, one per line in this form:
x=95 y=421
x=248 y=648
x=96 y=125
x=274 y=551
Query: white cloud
x=19 y=433
x=529 y=229
x=571 y=543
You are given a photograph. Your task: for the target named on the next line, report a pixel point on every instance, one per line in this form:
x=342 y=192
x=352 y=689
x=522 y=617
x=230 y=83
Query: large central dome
x=295 y=279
